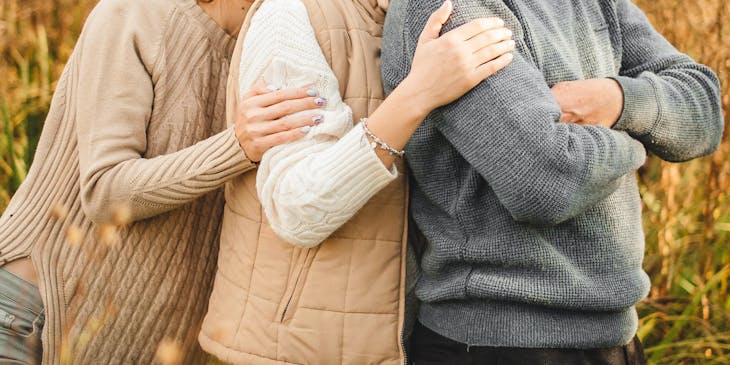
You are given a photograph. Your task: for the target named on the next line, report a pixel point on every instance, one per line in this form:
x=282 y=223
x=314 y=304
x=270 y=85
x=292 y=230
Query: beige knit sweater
x=137 y=119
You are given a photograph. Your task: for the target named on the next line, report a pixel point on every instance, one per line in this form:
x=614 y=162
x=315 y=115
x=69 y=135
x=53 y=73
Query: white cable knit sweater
x=311 y=187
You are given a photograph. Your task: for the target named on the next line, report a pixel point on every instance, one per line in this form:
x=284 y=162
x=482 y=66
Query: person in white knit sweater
x=311 y=187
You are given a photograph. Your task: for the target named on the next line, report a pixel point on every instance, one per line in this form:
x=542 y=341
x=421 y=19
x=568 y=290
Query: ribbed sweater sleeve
x=507 y=128
x=671 y=103
x=115 y=89
x=311 y=187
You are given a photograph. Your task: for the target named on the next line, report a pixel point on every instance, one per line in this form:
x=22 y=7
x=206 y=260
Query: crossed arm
x=661 y=97
x=671 y=103
x=547 y=172
x=508 y=130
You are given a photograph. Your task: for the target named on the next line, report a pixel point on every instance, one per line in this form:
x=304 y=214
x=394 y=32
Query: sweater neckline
x=218 y=36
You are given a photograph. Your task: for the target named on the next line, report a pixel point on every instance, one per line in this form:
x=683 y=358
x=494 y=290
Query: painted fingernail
x=317 y=119
x=312 y=93
x=320 y=101
x=305 y=129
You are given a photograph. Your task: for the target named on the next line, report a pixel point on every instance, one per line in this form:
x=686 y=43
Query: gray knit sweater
x=533 y=226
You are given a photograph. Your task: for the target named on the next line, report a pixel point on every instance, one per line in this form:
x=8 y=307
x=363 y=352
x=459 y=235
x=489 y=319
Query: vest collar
x=376 y=8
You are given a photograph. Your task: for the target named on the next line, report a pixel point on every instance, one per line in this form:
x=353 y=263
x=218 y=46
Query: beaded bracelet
x=379 y=142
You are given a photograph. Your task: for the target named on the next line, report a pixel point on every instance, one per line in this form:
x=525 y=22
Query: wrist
x=411 y=99
x=618 y=100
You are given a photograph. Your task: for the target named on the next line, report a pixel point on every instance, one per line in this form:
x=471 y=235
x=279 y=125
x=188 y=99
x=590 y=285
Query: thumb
x=436 y=21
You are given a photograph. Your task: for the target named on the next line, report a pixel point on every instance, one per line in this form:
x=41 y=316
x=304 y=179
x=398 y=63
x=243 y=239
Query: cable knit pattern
x=137 y=119
x=534 y=226
x=311 y=187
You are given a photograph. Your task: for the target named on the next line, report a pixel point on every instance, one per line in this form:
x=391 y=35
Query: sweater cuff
x=641 y=107
x=353 y=173
x=357 y=161
x=228 y=151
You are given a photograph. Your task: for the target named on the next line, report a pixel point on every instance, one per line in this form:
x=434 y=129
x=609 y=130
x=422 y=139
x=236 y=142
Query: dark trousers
x=429 y=348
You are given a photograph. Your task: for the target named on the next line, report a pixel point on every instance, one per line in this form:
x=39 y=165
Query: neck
x=228 y=14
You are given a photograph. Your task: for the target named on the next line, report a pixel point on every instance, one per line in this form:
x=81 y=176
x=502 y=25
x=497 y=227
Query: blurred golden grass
x=685 y=320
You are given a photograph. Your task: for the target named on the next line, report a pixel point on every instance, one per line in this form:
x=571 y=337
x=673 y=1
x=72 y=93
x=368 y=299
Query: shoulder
x=133 y=10
x=142 y=19
x=128 y=23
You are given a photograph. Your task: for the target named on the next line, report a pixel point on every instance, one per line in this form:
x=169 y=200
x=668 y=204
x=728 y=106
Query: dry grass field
x=685 y=320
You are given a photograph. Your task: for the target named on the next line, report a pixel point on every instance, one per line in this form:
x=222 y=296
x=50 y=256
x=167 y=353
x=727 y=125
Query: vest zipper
x=294 y=289
x=403 y=346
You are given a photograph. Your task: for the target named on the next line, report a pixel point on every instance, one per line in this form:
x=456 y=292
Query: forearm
x=149 y=187
x=507 y=128
x=542 y=171
x=114 y=105
x=315 y=196
x=397 y=119
x=672 y=104
x=310 y=189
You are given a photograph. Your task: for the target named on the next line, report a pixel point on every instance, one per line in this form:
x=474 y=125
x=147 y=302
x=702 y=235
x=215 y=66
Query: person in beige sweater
x=135 y=136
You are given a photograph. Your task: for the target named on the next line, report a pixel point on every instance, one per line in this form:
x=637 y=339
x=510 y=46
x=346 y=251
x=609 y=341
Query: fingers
x=289 y=107
x=492 y=67
x=476 y=27
x=251 y=113
x=488 y=38
x=567 y=118
x=280 y=138
x=257 y=138
x=436 y=21
x=287 y=123
x=493 y=51
x=270 y=97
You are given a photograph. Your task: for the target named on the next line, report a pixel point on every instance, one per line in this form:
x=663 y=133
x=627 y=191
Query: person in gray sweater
x=532 y=227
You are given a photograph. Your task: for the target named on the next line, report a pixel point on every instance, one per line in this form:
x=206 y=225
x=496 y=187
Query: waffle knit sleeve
x=507 y=128
x=672 y=104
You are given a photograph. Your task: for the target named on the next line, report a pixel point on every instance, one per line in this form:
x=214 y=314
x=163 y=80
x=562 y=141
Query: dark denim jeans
x=21 y=321
x=430 y=348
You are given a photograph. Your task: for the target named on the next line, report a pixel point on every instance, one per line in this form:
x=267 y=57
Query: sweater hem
x=505 y=324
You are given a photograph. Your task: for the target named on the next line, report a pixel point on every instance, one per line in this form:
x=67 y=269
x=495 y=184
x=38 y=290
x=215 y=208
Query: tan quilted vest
x=343 y=301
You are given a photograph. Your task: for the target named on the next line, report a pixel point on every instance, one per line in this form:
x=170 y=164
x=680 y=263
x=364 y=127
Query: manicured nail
x=312 y=93
x=305 y=129
x=320 y=101
x=317 y=119
x=272 y=88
